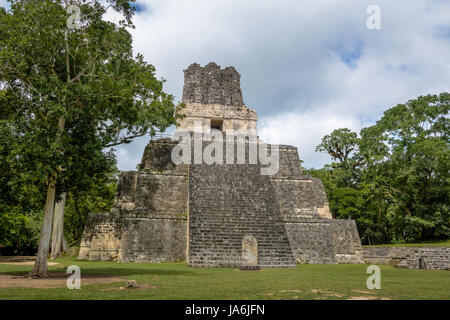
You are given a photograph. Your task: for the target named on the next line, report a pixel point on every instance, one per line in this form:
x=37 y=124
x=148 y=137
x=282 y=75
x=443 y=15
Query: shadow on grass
x=135 y=271
x=112 y=272
x=119 y=268
x=107 y=270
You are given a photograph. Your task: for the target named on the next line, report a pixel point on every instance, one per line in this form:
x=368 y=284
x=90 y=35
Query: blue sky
x=350 y=55
x=307 y=67
x=139 y=6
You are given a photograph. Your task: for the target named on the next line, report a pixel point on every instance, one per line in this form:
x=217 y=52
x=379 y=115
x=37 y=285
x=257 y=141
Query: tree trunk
x=65 y=245
x=58 y=243
x=40 y=266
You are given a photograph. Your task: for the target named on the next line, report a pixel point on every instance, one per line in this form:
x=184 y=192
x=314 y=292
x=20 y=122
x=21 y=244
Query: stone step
x=217 y=230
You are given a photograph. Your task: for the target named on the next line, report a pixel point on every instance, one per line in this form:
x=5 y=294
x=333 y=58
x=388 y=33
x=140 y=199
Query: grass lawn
x=179 y=281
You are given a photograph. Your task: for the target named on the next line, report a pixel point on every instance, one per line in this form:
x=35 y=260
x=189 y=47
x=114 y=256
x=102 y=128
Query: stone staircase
x=227 y=202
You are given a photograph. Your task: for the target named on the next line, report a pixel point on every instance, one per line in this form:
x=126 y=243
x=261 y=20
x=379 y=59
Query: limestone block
x=324 y=212
x=212 y=85
x=249 y=251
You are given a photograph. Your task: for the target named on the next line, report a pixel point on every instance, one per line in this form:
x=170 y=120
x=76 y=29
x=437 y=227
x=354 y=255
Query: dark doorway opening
x=217 y=124
x=422 y=264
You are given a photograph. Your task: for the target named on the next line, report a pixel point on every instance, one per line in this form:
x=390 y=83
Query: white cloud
x=304 y=130
x=307 y=67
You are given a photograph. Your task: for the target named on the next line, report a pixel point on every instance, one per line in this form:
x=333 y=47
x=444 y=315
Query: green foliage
x=19 y=232
x=395 y=183
x=339 y=144
x=86 y=80
x=20 y=202
x=79 y=203
x=66 y=95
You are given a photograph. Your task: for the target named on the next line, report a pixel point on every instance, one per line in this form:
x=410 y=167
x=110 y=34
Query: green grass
x=445 y=243
x=179 y=281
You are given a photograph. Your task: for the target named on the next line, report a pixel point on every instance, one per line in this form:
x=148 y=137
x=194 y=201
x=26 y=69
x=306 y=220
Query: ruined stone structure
x=213 y=96
x=432 y=258
x=221 y=214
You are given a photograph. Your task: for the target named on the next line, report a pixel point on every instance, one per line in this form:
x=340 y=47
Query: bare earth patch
x=328 y=293
x=22 y=261
x=363 y=298
x=325 y=294
x=368 y=298
x=56 y=280
x=141 y=287
x=360 y=291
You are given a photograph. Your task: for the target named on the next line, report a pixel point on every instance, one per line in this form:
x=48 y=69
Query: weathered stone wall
x=134 y=238
x=156 y=157
x=298 y=196
x=158 y=189
x=86 y=239
x=311 y=240
x=435 y=258
x=212 y=93
x=235 y=119
x=101 y=237
x=153 y=194
x=346 y=242
x=148 y=220
x=212 y=85
x=314 y=236
x=153 y=239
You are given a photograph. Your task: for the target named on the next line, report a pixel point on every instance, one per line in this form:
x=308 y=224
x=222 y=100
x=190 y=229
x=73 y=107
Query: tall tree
x=342 y=145
x=71 y=88
x=413 y=177
x=339 y=144
x=395 y=181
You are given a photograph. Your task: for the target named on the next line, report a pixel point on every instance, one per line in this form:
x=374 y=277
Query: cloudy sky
x=307 y=66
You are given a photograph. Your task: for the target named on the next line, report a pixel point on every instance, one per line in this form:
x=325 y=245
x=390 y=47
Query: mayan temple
x=228 y=213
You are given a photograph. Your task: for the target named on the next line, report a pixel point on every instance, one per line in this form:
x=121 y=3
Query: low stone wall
x=101 y=237
x=433 y=258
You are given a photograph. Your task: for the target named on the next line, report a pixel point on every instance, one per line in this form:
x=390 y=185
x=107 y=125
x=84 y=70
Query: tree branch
x=125 y=140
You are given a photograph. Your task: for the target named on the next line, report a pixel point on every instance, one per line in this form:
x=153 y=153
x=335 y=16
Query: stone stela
x=219 y=214
x=249 y=253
